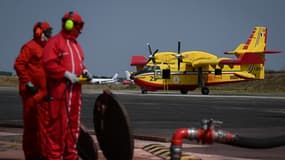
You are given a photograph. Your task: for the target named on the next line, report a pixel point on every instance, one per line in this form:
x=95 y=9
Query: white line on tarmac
x=189 y=95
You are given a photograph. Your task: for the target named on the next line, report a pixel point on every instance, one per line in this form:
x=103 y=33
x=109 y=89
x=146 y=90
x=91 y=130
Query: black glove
x=31 y=88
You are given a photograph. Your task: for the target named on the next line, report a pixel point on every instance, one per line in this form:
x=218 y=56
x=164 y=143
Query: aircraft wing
x=165 y=57
x=200 y=58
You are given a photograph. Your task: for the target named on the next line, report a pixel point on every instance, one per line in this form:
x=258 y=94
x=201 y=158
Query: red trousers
x=64 y=121
x=35 y=122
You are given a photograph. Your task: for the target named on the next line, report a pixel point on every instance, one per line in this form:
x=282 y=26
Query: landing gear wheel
x=144 y=91
x=205 y=90
x=183 y=91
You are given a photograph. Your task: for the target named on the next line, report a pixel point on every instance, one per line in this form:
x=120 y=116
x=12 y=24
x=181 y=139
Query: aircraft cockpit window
x=151 y=68
x=156 y=67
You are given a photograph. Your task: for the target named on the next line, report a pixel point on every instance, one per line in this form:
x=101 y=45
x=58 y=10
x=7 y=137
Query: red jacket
x=29 y=67
x=61 y=54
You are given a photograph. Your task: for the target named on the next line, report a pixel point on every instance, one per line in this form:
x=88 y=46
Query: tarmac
x=268 y=112
x=11 y=148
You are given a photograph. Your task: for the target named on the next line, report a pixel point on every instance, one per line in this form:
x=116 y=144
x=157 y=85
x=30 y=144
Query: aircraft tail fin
x=256 y=43
x=128 y=75
x=115 y=76
x=251 y=55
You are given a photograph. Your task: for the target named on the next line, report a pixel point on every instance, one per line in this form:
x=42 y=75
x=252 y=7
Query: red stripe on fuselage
x=154 y=86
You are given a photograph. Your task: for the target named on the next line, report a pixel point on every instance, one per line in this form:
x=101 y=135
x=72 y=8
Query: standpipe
x=207 y=134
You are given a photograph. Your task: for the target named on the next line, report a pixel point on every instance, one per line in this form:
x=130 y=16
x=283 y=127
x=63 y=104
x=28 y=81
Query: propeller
x=179 y=56
x=151 y=55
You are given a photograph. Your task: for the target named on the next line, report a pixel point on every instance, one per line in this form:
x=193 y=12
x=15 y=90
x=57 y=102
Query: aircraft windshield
x=151 y=68
x=148 y=69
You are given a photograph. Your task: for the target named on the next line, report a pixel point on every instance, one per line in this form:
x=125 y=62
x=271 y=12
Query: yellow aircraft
x=189 y=70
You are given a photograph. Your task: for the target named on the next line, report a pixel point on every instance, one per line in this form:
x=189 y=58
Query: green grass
x=274 y=82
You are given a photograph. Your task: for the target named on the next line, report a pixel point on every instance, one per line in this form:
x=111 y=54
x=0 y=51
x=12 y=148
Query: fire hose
x=208 y=134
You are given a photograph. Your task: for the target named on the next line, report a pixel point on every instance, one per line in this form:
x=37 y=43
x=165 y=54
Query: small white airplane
x=105 y=80
x=128 y=79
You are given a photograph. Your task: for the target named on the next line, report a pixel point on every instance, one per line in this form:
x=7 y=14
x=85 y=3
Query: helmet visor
x=79 y=25
x=48 y=32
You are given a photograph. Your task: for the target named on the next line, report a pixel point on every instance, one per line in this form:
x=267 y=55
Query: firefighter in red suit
x=32 y=88
x=63 y=63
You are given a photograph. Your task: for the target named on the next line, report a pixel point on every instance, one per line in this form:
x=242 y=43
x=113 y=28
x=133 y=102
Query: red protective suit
x=29 y=68
x=63 y=53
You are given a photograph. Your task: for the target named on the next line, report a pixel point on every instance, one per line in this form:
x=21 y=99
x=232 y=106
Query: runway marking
x=203 y=96
x=276 y=111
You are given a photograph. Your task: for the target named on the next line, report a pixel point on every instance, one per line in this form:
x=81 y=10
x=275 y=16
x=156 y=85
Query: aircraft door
x=166 y=73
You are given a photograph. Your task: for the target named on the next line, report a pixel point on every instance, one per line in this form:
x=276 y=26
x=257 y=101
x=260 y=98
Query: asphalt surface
x=160 y=114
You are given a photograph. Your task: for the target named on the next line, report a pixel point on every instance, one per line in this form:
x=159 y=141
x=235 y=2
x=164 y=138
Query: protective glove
x=31 y=88
x=87 y=74
x=71 y=77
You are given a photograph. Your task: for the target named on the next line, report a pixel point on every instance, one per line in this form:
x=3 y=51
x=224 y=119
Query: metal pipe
x=207 y=135
x=179 y=135
x=177 y=140
x=176 y=143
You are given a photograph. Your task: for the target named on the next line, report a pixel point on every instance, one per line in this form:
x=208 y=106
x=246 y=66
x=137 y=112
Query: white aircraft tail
x=115 y=76
x=128 y=75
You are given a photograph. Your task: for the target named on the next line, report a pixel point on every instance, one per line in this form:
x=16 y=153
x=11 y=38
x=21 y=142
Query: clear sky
x=117 y=29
